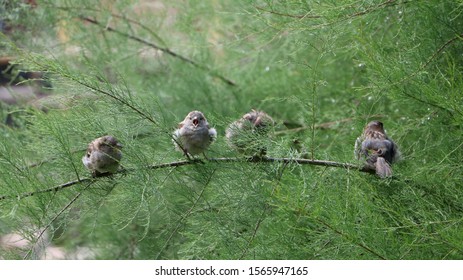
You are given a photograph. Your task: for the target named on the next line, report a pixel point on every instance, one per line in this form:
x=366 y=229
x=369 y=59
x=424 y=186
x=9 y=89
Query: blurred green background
x=321 y=69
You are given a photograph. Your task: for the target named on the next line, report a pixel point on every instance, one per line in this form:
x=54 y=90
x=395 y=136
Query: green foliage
x=321 y=69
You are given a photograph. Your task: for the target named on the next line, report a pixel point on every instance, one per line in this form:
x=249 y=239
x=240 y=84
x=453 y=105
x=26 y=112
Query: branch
x=300 y=127
x=422 y=67
x=122 y=101
x=52 y=189
x=267 y=160
x=51 y=159
x=83 y=80
x=434 y=55
x=368 y=10
x=287 y=15
x=326 y=163
x=324 y=125
x=163 y=49
x=123 y=17
x=374 y=8
x=293 y=160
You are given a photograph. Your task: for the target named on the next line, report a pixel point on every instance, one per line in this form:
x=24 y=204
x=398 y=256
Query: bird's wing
x=396 y=155
x=358 y=148
x=212 y=134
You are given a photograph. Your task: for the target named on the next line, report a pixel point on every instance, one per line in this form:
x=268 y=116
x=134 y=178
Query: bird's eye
x=201 y=119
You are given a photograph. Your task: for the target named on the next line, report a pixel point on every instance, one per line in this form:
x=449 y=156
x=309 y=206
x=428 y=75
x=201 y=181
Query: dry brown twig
x=163 y=49
x=140 y=40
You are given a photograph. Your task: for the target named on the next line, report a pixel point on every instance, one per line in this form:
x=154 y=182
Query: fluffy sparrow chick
x=194 y=135
x=103 y=156
x=243 y=134
x=377 y=148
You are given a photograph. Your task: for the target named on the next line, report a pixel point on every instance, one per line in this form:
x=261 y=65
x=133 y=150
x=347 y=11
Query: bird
x=246 y=135
x=377 y=149
x=193 y=135
x=103 y=156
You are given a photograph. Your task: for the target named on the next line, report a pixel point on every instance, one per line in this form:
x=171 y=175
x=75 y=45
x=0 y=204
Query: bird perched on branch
x=246 y=135
x=103 y=156
x=377 y=148
x=194 y=135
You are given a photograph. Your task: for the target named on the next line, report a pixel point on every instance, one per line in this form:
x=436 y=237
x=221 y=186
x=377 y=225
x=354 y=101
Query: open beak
x=195 y=121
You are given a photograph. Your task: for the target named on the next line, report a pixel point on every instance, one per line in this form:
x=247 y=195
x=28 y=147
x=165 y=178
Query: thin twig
x=172 y=164
x=52 y=189
x=263 y=160
x=433 y=56
x=263 y=214
x=294 y=160
x=50 y=159
x=194 y=161
x=64 y=72
x=373 y=8
x=421 y=68
x=188 y=213
x=350 y=239
x=123 y=17
x=324 y=125
x=163 y=49
x=286 y=15
x=368 y=10
x=124 y=102
x=54 y=219
x=118 y=99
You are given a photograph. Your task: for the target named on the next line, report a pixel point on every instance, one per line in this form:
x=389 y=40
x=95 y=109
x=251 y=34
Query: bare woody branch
x=163 y=49
x=300 y=161
x=324 y=125
x=52 y=189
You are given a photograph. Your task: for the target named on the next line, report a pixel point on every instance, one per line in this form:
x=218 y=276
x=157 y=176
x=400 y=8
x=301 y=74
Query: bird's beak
x=119 y=146
x=195 y=121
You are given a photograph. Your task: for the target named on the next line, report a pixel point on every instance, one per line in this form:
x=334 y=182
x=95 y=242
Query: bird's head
x=196 y=118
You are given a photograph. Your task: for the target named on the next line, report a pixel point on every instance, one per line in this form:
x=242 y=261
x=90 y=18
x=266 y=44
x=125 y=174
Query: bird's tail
x=383 y=169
